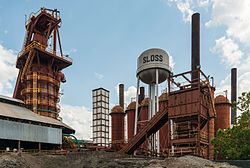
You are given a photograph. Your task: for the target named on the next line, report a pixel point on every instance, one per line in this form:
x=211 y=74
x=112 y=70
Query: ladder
x=27 y=64
x=34 y=108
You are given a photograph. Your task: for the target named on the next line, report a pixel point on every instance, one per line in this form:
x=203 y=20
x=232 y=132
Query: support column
x=150 y=146
x=137 y=105
x=19 y=146
x=157 y=110
x=39 y=146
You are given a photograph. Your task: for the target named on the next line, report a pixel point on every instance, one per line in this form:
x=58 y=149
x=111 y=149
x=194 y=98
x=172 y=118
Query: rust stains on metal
x=233 y=94
x=222 y=106
x=195 y=45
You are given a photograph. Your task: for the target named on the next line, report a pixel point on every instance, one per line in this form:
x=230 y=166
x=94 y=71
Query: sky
x=104 y=38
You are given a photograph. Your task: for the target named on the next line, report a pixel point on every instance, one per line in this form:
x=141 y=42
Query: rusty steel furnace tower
x=40 y=65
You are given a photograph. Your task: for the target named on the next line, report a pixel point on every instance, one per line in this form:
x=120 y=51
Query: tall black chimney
x=233 y=94
x=195 y=46
x=142 y=94
x=121 y=95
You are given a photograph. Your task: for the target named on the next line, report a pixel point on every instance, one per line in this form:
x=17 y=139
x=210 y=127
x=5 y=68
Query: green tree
x=234 y=143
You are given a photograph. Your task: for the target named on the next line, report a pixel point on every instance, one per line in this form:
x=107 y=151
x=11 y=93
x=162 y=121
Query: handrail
x=40 y=102
x=46 y=78
x=48 y=11
x=153 y=125
x=38 y=90
x=36 y=44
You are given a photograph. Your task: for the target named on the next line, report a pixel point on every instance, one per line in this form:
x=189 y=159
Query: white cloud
x=185 y=7
x=5 y=31
x=79 y=118
x=234 y=15
x=188 y=7
x=8 y=71
x=228 y=50
x=203 y=3
x=128 y=94
x=224 y=86
x=99 y=76
x=243 y=82
x=171 y=62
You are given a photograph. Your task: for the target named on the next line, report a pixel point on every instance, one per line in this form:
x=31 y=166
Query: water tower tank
x=149 y=61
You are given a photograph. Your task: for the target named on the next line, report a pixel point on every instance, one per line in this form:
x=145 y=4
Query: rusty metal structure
x=191 y=114
x=40 y=65
x=117 y=127
x=154 y=124
x=143 y=121
x=187 y=112
x=118 y=122
x=121 y=95
x=163 y=103
x=130 y=112
x=233 y=94
x=191 y=111
x=195 y=40
x=222 y=106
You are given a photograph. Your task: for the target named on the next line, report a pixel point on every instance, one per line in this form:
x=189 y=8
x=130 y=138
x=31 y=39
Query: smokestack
x=195 y=45
x=233 y=94
x=142 y=94
x=121 y=95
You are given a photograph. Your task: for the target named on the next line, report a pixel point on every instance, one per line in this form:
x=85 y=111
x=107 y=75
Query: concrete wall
x=29 y=132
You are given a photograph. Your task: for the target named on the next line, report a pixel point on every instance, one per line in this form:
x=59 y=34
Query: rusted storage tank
x=222 y=106
x=131 y=119
x=117 y=127
x=143 y=114
x=143 y=118
x=163 y=104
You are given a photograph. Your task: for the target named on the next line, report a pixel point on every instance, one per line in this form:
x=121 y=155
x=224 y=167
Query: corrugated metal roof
x=11 y=99
x=18 y=112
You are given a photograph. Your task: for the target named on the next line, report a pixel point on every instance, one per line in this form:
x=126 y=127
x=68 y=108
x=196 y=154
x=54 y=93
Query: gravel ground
x=102 y=160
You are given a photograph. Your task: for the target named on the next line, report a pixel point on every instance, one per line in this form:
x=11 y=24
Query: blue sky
x=104 y=38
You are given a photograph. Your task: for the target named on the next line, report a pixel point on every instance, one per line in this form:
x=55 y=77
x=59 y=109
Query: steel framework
x=40 y=66
x=191 y=114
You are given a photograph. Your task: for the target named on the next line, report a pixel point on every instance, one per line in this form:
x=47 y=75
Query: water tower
x=152 y=69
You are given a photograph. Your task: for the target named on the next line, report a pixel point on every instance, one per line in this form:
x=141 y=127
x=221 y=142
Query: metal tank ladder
x=27 y=64
x=156 y=122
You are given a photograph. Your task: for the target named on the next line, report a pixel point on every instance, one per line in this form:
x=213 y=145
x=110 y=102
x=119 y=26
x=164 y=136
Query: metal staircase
x=156 y=122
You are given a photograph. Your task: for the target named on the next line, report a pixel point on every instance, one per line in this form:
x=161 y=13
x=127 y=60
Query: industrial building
x=30 y=120
x=22 y=128
x=185 y=117
x=100 y=124
x=181 y=120
x=40 y=66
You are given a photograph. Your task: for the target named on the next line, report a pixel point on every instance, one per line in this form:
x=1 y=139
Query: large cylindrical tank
x=143 y=114
x=222 y=106
x=131 y=119
x=41 y=90
x=143 y=118
x=117 y=126
x=149 y=61
x=163 y=103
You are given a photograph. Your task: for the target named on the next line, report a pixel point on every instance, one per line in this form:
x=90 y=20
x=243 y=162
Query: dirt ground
x=99 y=159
